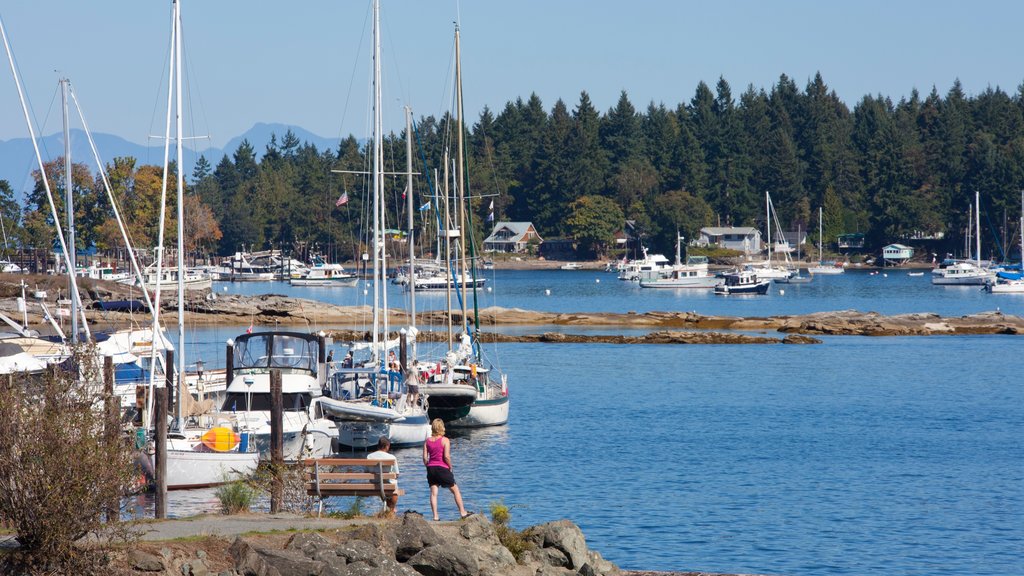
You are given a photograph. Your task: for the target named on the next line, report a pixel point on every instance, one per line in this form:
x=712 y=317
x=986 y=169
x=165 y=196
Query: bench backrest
x=350 y=477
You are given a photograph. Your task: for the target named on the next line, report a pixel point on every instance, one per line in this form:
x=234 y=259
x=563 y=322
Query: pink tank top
x=435 y=451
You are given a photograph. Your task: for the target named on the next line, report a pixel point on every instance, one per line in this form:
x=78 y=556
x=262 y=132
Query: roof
x=518 y=230
x=722 y=230
x=898 y=247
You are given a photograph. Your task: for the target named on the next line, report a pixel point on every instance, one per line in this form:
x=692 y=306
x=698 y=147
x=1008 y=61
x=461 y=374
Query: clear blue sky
x=306 y=62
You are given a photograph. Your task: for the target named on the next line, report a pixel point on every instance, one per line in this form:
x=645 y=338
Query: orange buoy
x=220 y=439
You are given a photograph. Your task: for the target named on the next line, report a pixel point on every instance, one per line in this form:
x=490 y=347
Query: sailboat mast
x=462 y=179
x=768 y=224
x=977 y=226
x=181 y=215
x=409 y=208
x=821 y=239
x=376 y=181
x=447 y=251
x=69 y=210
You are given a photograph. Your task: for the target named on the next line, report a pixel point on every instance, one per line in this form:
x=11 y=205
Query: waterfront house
x=511 y=237
x=741 y=238
x=853 y=241
x=896 y=254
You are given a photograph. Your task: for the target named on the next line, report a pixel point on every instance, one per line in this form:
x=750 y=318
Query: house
x=744 y=239
x=511 y=237
x=896 y=254
x=789 y=241
x=850 y=241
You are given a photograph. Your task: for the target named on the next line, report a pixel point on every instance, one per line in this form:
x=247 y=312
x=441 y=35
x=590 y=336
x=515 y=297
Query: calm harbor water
x=859 y=455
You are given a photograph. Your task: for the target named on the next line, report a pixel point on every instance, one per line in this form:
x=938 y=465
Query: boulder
x=145 y=562
x=414 y=534
x=600 y=565
x=562 y=535
x=309 y=543
x=446 y=560
x=248 y=561
x=291 y=562
x=478 y=529
x=546 y=557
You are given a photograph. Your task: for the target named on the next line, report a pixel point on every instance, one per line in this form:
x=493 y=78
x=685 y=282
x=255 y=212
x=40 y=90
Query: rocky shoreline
x=212 y=309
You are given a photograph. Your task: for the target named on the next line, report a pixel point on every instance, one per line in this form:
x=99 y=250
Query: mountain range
x=17 y=160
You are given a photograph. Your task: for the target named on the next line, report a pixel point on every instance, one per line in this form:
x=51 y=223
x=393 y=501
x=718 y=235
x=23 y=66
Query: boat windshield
x=259 y=352
x=260 y=402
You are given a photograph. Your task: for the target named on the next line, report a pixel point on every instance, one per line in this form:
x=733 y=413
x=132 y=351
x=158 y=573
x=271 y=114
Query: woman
x=437 y=457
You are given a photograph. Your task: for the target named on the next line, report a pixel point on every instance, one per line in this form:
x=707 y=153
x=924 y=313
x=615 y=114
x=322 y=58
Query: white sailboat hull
x=483 y=413
x=412 y=431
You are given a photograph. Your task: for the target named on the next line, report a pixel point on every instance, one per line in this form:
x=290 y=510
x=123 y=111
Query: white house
x=742 y=238
x=511 y=237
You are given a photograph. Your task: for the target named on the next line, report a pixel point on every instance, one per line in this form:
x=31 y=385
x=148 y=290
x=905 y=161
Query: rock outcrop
x=411 y=547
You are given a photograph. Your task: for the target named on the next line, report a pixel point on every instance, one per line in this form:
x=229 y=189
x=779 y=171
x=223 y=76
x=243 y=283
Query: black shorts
x=412 y=389
x=440 y=476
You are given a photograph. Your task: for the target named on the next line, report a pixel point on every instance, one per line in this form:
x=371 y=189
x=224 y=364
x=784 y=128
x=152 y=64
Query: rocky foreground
x=407 y=546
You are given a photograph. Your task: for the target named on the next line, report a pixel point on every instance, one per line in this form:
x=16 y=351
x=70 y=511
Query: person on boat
x=412 y=383
x=437 y=457
x=347 y=361
x=330 y=356
x=393 y=364
x=384 y=453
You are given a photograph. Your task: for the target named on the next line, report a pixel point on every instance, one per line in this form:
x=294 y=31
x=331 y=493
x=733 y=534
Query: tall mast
x=768 y=224
x=462 y=178
x=409 y=209
x=378 y=261
x=821 y=239
x=977 y=226
x=69 y=210
x=181 y=214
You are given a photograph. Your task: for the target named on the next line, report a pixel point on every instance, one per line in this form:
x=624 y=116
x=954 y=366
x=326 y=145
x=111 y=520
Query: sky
x=307 y=62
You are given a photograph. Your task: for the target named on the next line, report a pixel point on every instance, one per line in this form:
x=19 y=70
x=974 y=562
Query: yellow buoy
x=220 y=439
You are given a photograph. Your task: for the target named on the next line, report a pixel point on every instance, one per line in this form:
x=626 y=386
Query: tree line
x=894 y=171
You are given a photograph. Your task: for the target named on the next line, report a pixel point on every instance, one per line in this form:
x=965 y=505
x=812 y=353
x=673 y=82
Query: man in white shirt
x=383 y=453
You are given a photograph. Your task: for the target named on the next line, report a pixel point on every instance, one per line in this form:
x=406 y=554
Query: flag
x=343 y=199
x=425 y=207
x=249 y=331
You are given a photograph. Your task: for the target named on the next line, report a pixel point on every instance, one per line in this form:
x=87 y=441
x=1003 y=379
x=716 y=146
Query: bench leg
x=319 y=508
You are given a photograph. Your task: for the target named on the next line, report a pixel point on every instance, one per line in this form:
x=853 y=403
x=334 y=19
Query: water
x=859 y=455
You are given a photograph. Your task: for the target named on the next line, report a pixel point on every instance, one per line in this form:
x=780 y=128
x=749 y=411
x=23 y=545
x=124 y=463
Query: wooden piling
x=160 y=460
x=229 y=362
x=169 y=372
x=276 y=442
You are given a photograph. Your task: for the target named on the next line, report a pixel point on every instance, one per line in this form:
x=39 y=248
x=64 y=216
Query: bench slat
x=347 y=462
x=354 y=476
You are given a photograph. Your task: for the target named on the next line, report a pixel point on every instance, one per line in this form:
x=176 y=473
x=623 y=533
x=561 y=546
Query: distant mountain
x=17 y=160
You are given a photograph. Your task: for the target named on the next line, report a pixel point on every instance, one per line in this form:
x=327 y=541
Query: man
x=384 y=453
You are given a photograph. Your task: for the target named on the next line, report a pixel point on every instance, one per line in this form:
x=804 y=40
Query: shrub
x=63 y=467
x=513 y=540
x=235 y=497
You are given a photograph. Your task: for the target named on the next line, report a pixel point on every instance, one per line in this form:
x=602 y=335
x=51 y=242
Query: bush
x=63 y=467
x=513 y=540
x=235 y=497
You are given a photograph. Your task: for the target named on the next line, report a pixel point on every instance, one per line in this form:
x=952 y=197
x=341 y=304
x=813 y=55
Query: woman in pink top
x=437 y=457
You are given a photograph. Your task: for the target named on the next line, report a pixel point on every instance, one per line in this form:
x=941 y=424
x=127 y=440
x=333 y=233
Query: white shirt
x=382 y=455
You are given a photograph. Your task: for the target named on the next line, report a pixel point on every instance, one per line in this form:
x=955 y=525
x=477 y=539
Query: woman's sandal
x=437 y=519
x=467 y=515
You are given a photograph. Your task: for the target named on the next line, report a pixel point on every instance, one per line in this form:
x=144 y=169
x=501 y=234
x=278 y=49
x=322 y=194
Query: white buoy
x=489 y=288
x=885 y=275
x=365 y=291
x=225 y=288
x=598 y=280
x=782 y=292
x=547 y=292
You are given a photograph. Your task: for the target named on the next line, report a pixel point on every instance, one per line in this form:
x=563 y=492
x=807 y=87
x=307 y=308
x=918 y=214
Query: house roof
x=518 y=229
x=722 y=230
x=898 y=247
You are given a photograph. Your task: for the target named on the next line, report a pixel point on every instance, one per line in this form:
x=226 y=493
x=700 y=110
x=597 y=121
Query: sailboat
x=967 y=273
x=1011 y=282
x=823 y=267
x=795 y=277
x=374 y=401
x=193 y=460
x=766 y=270
x=465 y=392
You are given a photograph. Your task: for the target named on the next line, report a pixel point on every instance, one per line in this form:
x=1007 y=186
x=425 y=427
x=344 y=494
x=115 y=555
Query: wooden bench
x=327 y=477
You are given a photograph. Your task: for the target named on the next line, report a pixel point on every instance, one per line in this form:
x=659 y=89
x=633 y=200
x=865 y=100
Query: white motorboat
x=326 y=275
x=445 y=281
x=693 y=274
x=651 y=266
x=191 y=463
x=168 y=279
x=967 y=272
x=307 y=430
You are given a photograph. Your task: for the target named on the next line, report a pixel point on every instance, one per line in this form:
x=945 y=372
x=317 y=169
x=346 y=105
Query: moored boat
x=743 y=282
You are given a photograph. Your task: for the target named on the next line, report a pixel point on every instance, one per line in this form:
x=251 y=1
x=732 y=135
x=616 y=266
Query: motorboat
x=693 y=274
x=326 y=275
x=307 y=429
x=650 y=266
x=743 y=282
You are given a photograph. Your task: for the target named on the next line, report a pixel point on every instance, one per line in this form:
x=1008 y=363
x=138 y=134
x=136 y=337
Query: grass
x=355 y=510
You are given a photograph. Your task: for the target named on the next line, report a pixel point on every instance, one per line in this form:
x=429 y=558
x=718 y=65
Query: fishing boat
x=651 y=266
x=326 y=275
x=743 y=282
x=824 y=268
